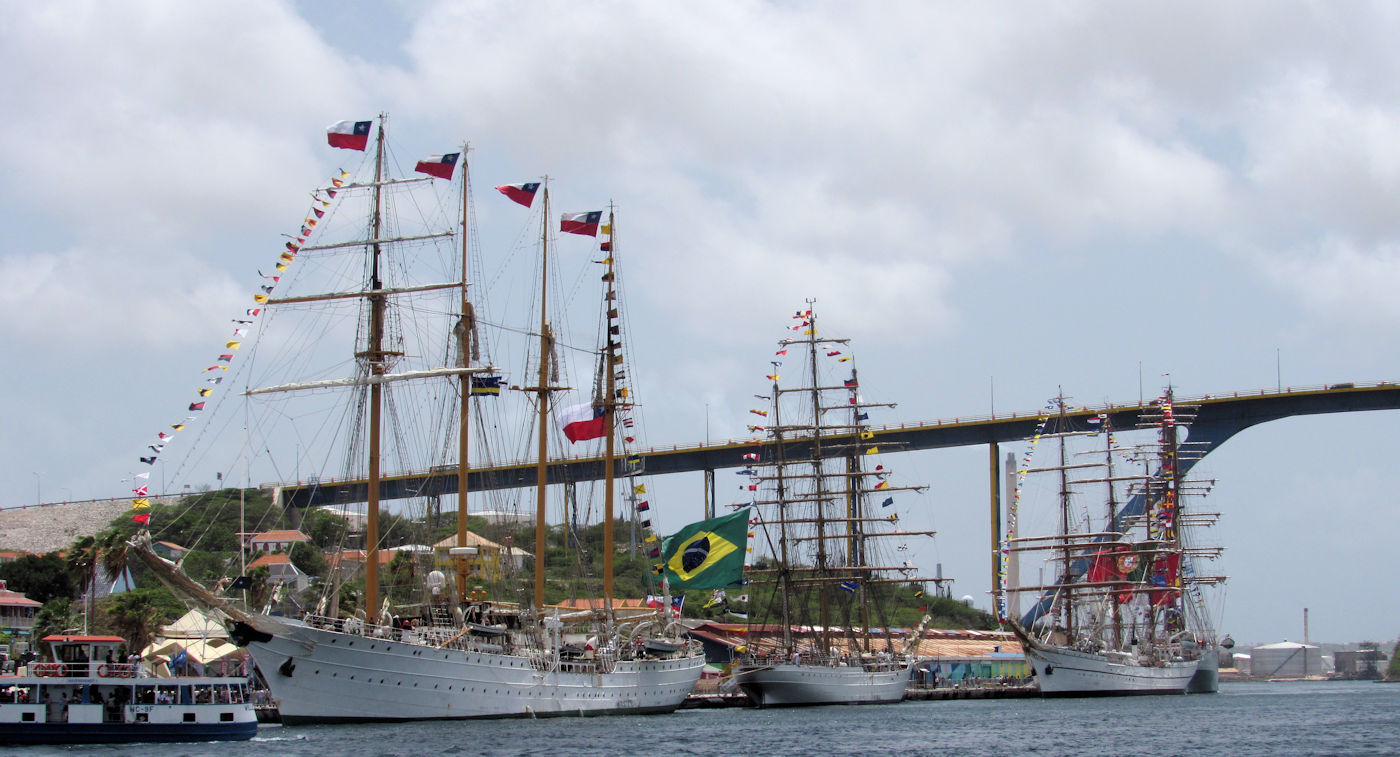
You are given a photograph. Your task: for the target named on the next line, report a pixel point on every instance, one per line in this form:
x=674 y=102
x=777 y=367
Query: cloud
x=110 y=301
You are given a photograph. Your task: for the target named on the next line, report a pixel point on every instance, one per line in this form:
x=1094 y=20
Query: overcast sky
x=993 y=201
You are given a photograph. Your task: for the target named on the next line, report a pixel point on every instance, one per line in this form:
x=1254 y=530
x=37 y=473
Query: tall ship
x=457 y=652
x=824 y=520
x=1166 y=461
x=1111 y=620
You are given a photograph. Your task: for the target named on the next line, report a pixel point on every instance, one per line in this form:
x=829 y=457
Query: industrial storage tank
x=1286 y=659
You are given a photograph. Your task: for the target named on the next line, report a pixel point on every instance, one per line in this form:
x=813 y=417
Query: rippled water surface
x=1274 y=719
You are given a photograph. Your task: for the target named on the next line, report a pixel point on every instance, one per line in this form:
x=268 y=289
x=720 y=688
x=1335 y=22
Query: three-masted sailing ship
x=823 y=512
x=462 y=656
x=1113 y=621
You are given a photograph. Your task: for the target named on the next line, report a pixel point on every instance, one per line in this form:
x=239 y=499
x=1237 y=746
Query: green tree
x=138 y=615
x=39 y=577
x=307 y=559
x=81 y=564
x=327 y=530
x=208 y=567
x=56 y=616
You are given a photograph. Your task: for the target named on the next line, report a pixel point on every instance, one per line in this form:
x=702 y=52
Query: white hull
x=1069 y=672
x=790 y=685
x=334 y=676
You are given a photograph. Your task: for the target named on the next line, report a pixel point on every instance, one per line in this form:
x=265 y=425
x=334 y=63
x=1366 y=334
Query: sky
x=996 y=202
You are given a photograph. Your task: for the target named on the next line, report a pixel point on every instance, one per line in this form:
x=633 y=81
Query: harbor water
x=1273 y=719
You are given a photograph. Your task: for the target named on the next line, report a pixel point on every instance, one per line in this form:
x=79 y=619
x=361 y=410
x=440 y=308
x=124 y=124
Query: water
x=1274 y=719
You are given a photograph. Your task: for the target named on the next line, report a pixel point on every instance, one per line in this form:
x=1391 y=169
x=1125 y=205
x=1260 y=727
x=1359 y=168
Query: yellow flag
x=639 y=489
x=867 y=434
x=233 y=345
x=872 y=450
x=205 y=392
x=606 y=228
x=261 y=299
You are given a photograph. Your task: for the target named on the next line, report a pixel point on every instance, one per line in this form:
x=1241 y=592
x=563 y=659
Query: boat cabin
x=85 y=657
x=85 y=680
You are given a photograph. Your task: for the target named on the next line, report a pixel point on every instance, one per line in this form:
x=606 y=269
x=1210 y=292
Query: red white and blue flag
x=583 y=422
x=349 y=135
x=521 y=193
x=439 y=166
x=581 y=223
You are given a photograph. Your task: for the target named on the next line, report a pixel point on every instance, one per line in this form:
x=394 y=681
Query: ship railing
x=92 y=669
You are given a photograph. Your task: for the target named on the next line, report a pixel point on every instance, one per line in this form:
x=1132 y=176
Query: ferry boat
x=86 y=694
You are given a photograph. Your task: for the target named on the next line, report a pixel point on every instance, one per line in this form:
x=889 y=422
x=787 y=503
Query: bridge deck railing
x=937 y=423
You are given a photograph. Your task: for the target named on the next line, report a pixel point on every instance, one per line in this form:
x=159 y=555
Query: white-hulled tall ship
x=824 y=515
x=458 y=654
x=1111 y=622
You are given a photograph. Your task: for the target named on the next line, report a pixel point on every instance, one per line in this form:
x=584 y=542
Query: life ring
x=46 y=669
x=103 y=671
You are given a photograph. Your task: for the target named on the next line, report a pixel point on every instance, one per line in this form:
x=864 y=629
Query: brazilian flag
x=708 y=554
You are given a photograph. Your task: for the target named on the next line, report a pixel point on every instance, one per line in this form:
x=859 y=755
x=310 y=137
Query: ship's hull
x=1071 y=673
x=800 y=685
x=320 y=675
x=1207 y=677
x=124 y=733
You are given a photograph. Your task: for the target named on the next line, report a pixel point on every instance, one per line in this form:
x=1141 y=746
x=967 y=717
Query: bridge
x=1218 y=417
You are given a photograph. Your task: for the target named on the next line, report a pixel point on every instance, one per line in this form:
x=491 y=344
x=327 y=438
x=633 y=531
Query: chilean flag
x=439 y=166
x=521 y=193
x=583 y=422
x=349 y=135
x=581 y=223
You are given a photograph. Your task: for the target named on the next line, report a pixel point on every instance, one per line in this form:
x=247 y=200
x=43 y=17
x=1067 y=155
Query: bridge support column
x=994 y=501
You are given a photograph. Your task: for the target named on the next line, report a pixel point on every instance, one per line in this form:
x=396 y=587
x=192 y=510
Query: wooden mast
x=1068 y=604
x=784 y=566
x=1111 y=524
x=542 y=392
x=822 y=566
x=610 y=404
x=468 y=327
x=374 y=355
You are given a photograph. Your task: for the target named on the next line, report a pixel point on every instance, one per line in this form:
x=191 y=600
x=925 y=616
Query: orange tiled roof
x=278 y=559
x=285 y=535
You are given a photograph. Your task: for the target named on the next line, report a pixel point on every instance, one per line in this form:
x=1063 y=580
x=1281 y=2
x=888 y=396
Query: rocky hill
x=45 y=528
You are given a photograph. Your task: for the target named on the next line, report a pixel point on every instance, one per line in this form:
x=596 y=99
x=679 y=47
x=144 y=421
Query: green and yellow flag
x=708 y=554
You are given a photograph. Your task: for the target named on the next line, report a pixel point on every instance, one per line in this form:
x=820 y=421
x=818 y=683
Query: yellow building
x=488 y=564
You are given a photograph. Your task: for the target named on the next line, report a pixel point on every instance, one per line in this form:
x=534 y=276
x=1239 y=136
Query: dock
x=921 y=693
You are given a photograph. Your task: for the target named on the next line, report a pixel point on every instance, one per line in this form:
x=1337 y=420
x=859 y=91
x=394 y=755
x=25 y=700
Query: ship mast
x=819 y=482
x=1068 y=604
x=610 y=405
x=468 y=328
x=1111 y=525
x=784 y=566
x=542 y=393
x=375 y=357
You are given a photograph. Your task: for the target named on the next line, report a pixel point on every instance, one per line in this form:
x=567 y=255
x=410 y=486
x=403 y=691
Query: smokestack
x=1305 y=626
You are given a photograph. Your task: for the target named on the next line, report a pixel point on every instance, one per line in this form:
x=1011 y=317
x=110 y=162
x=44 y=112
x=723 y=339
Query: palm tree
x=135 y=616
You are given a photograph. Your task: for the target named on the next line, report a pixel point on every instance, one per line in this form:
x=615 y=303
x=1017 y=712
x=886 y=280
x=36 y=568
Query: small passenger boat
x=85 y=693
